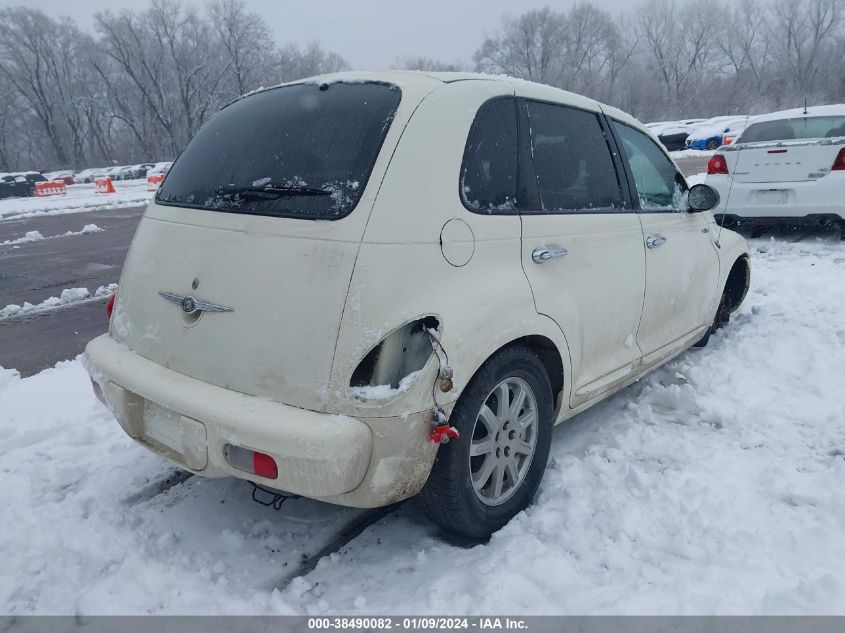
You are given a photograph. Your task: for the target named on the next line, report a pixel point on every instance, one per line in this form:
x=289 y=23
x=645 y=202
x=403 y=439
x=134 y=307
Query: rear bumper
x=358 y=462
x=822 y=197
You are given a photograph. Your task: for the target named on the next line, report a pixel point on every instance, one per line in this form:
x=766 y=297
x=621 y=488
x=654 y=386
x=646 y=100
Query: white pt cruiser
x=340 y=274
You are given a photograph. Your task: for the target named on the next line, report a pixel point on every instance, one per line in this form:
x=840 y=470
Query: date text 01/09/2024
x=417 y=623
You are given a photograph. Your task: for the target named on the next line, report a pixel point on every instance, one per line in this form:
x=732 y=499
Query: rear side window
x=489 y=171
x=572 y=159
x=302 y=151
x=659 y=185
x=795 y=128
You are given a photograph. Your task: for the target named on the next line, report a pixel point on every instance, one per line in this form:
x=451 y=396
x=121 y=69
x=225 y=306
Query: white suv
x=339 y=274
x=786 y=168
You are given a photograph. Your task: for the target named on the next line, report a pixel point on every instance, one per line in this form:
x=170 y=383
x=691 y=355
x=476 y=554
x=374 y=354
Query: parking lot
x=36 y=270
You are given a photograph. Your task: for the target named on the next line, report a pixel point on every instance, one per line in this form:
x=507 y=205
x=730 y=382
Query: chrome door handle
x=541 y=255
x=653 y=241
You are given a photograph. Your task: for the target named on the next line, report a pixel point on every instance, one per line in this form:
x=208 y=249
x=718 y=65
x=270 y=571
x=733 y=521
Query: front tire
x=722 y=318
x=505 y=416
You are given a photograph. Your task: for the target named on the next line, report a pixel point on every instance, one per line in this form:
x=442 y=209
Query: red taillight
x=839 y=163
x=251 y=461
x=717 y=165
x=110 y=304
x=264 y=465
x=98 y=392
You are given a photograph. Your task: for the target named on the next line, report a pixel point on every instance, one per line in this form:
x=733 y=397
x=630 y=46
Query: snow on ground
x=35 y=236
x=692 y=153
x=696 y=179
x=79 y=198
x=68 y=295
x=714 y=485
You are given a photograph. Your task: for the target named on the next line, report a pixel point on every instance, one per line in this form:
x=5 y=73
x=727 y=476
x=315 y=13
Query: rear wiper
x=271 y=190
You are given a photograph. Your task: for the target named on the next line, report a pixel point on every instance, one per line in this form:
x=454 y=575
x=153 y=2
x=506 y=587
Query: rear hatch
x=788 y=150
x=239 y=271
x=789 y=161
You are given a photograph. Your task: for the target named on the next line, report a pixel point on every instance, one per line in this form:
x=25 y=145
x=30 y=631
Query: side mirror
x=702 y=198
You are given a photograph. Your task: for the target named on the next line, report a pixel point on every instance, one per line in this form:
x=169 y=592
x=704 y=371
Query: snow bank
x=88 y=228
x=30 y=236
x=69 y=295
x=712 y=486
x=35 y=236
x=79 y=198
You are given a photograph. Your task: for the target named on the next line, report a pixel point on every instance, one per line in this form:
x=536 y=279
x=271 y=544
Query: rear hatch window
x=302 y=151
x=797 y=128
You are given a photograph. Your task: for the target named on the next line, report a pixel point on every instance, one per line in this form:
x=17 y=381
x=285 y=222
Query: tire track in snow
x=345 y=535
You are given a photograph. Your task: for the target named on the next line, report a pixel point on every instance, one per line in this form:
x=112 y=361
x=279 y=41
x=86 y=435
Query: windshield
x=301 y=151
x=794 y=128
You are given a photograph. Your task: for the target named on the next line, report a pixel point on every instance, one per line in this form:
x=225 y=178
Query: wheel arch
x=551 y=357
x=738 y=281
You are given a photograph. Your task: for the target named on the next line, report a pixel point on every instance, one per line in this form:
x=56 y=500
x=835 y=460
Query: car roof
x=810 y=111
x=521 y=87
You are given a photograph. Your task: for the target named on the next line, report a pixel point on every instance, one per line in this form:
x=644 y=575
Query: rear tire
x=476 y=495
x=713 y=144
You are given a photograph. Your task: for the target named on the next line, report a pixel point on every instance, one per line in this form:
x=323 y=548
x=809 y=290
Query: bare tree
x=41 y=62
x=529 y=46
x=246 y=40
x=803 y=29
x=426 y=64
x=295 y=63
x=680 y=54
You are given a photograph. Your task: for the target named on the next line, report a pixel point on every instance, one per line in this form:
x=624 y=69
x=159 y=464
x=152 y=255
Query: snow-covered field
x=715 y=485
x=79 y=198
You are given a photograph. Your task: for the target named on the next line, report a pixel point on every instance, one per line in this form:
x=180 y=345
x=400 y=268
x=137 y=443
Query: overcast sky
x=367 y=33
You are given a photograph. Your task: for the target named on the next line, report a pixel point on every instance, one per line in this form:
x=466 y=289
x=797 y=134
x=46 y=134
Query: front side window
x=794 y=128
x=489 y=171
x=660 y=187
x=302 y=151
x=572 y=160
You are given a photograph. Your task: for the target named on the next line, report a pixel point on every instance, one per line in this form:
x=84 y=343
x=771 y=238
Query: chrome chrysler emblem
x=190 y=305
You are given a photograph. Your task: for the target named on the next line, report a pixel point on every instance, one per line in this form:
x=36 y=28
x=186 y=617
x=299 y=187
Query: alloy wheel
x=503 y=441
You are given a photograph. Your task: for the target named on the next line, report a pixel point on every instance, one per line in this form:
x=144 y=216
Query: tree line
x=144 y=81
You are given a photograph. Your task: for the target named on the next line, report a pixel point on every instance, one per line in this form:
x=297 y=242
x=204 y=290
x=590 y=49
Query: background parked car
x=673 y=134
x=66 y=176
x=786 y=168
x=88 y=175
x=710 y=134
x=9 y=187
x=160 y=168
x=120 y=172
x=19 y=184
x=731 y=136
x=139 y=171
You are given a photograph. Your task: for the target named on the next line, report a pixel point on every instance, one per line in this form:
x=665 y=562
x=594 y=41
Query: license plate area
x=180 y=438
x=773 y=196
x=162 y=426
